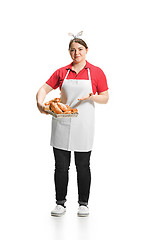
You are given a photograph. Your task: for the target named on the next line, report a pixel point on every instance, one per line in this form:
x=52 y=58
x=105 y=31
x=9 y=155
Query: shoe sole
x=82 y=215
x=57 y=215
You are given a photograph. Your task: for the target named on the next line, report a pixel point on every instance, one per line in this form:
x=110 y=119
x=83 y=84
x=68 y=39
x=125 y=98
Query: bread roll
x=47 y=108
x=74 y=110
x=55 y=100
x=55 y=108
x=62 y=106
x=67 y=112
x=47 y=104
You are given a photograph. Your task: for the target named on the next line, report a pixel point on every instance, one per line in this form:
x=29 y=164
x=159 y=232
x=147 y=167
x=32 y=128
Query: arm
x=100 y=98
x=41 y=94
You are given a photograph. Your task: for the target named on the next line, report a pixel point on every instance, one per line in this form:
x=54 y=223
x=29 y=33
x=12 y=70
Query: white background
x=123 y=39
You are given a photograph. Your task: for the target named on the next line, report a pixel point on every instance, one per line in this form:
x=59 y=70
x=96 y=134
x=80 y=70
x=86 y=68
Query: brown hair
x=78 y=40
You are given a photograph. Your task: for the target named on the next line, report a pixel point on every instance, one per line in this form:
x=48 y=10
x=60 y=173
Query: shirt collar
x=70 y=66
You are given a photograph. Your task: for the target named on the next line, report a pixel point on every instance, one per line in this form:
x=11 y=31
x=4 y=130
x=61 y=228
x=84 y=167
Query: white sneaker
x=83 y=211
x=58 y=211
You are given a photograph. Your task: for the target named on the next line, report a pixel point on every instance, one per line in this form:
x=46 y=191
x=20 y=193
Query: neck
x=78 y=66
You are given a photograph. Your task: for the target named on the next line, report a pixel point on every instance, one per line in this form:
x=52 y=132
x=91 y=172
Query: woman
x=79 y=82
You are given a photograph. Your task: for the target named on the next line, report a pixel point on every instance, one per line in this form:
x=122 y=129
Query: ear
x=86 y=50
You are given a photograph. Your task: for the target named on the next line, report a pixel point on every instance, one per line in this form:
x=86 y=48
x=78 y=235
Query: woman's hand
x=86 y=97
x=42 y=108
x=101 y=98
x=40 y=96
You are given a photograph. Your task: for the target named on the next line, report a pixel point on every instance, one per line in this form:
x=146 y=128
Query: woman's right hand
x=41 y=108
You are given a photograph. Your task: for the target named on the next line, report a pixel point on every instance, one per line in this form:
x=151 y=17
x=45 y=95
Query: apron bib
x=77 y=133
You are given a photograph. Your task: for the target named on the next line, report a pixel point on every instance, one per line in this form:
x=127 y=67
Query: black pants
x=62 y=163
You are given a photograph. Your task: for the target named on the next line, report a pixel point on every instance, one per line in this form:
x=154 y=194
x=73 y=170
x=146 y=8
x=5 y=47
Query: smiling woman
x=78 y=50
x=79 y=82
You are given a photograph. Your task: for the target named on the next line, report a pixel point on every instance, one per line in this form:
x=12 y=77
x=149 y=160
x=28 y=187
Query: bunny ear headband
x=77 y=35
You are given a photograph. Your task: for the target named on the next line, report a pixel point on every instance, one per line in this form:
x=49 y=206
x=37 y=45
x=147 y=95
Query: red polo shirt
x=98 y=78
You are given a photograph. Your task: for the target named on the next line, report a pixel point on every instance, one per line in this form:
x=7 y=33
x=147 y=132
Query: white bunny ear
x=79 y=34
x=71 y=34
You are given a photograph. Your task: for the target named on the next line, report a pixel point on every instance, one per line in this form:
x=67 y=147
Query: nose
x=76 y=52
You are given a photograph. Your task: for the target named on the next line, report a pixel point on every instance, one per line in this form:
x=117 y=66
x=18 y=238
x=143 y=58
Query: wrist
x=39 y=104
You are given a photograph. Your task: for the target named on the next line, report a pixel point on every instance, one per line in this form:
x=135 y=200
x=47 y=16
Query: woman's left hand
x=85 y=97
x=102 y=97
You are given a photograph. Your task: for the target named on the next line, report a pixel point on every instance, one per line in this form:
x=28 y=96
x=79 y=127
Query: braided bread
x=59 y=108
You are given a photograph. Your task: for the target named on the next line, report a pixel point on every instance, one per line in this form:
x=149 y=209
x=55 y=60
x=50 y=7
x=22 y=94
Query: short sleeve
x=53 y=81
x=102 y=84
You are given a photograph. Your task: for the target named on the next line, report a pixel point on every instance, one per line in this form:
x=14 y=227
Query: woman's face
x=78 y=52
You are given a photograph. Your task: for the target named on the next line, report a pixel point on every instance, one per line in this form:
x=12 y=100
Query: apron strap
x=67 y=74
x=89 y=74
